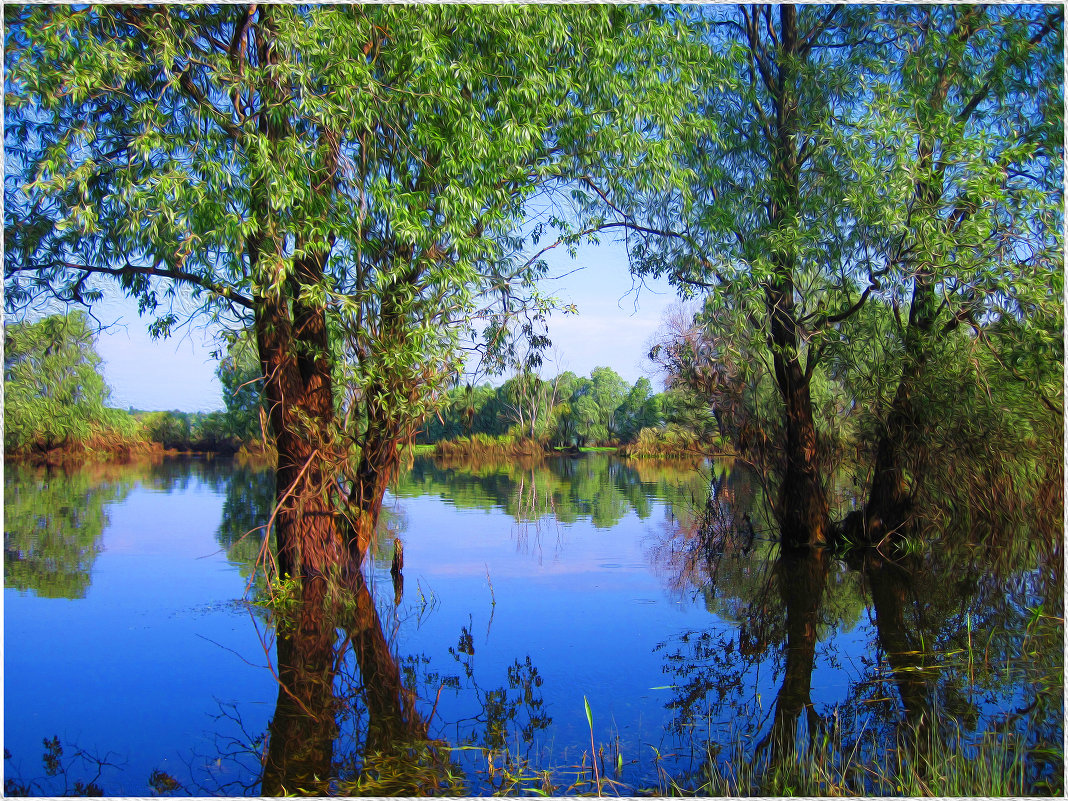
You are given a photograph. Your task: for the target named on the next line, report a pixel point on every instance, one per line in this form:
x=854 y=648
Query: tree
x=971 y=113
x=171 y=429
x=766 y=232
x=529 y=401
x=640 y=409
x=344 y=181
x=54 y=394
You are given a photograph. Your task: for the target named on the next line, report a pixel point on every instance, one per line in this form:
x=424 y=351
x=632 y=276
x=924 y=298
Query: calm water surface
x=528 y=590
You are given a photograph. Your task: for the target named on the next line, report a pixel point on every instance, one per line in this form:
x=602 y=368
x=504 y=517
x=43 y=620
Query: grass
x=484 y=446
x=668 y=442
x=909 y=764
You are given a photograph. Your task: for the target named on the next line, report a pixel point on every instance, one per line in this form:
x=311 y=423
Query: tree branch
x=128 y=269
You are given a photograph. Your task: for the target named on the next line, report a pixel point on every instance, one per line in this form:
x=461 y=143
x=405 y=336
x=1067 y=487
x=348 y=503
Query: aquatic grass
x=593 y=754
x=281 y=596
x=668 y=442
x=483 y=447
x=910 y=763
x=422 y=768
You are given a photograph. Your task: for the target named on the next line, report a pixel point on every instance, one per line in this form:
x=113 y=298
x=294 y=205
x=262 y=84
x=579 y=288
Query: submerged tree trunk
x=890 y=498
x=300 y=753
x=386 y=426
x=890 y=587
x=302 y=732
x=379 y=460
x=889 y=501
x=392 y=718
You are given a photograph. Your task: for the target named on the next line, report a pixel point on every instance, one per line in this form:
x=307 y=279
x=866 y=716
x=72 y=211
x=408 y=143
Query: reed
x=484 y=447
x=669 y=442
x=911 y=763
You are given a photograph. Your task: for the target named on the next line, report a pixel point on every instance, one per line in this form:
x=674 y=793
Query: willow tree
x=766 y=235
x=967 y=121
x=346 y=181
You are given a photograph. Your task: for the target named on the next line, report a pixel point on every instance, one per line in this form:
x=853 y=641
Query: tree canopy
x=347 y=181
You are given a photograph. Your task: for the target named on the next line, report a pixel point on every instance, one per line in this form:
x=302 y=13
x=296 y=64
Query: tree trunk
x=386 y=426
x=297 y=389
x=802 y=509
x=803 y=513
x=293 y=344
x=890 y=499
x=379 y=459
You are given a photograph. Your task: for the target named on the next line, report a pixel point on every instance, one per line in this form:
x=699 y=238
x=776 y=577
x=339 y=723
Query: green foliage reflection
x=53 y=521
x=596 y=487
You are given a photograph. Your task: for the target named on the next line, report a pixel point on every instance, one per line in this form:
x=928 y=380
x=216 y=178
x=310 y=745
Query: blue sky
x=613 y=328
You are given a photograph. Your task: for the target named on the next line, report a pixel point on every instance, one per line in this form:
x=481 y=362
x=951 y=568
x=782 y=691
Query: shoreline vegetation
x=118 y=446
x=57 y=411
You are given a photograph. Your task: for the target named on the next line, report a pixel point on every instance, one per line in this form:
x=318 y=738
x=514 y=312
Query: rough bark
x=293 y=343
x=306 y=531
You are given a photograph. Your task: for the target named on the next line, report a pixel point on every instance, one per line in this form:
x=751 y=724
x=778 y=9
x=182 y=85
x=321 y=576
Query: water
x=528 y=591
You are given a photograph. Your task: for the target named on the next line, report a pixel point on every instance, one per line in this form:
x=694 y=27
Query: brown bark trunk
x=803 y=513
x=802 y=509
x=379 y=460
x=298 y=394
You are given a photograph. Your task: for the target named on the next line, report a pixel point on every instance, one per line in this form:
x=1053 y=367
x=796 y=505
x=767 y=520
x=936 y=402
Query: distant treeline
x=563 y=411
x=57 y=401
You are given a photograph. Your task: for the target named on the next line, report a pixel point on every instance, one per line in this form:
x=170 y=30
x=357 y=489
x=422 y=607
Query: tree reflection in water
x=954 y=649
x=331 y=621
x=54 y=517
x=801 y=577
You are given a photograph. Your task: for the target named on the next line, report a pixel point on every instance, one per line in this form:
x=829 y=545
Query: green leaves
x=54 y=395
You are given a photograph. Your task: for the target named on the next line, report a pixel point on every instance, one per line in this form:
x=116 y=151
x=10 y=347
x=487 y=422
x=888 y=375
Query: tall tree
x=970 y=212
x=342 y=180
x=766 y=231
